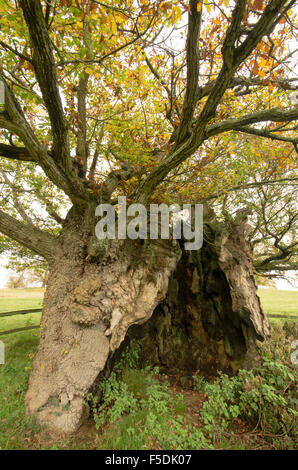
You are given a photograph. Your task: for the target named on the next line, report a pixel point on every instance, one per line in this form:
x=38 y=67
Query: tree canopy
x=156 y=100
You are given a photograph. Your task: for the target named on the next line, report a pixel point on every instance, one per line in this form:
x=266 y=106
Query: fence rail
x=19 y=312
x=16 y=330
x=272 y=315
x=37 y=310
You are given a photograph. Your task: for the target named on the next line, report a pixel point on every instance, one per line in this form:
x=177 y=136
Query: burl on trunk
x=202 y=308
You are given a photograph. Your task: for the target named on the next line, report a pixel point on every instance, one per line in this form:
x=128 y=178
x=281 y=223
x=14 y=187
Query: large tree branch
x=192 y=63
x=40 y=242
x=242 y=81
x=45 y=70
x=275 y=267
x=232 y=58
x=114 y=178
x=264 y=133
x=271 y=262
x=182 y=150
x=272 y=14
x=101 y=59
x=14 y=120
x=186 y=148
x=15 y=52
x=226 y=73
x=15 y=153
x=274 y=114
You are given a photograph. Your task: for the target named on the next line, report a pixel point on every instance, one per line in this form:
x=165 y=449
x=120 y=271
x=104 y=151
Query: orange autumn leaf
x=255 y=68
x=258 y=4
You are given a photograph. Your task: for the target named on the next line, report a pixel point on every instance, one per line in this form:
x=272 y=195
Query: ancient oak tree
x=135 y=98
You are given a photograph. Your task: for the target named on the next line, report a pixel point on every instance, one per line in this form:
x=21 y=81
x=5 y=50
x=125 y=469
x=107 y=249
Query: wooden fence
x=37 y=310
x=19 y=312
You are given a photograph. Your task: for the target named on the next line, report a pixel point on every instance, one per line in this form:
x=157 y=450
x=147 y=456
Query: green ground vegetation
x=143 y=409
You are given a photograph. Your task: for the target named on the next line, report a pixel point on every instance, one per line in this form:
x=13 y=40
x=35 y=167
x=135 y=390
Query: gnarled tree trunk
x=206 y=316
x=211 y=315
x=95 y=291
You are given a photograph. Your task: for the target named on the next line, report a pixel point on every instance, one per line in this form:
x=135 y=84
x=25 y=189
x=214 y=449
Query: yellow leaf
x=208 y=7
x=89 y=71
x=261 y=73
x=120 y=18
x=113 y=25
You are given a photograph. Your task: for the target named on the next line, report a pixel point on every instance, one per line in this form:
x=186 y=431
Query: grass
x=21 y=301
x=20 y=348
x=279 y=302
x=20 y=432
x=28 y=292
x=19 y=351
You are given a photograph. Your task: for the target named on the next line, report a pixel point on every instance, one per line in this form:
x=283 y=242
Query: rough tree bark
x=209 y=313
x=95 y=292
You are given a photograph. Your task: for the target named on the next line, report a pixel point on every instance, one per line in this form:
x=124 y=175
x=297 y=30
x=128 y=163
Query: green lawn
x=19 y=351
x=279 y=302
x=28 y=292
x=19 y=299
x=16 y=429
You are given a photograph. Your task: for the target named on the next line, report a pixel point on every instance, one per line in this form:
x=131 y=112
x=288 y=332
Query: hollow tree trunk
x=208 y=315
x=211 y=315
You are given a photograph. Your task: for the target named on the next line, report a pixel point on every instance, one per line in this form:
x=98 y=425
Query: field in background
x=275 y=302
x=19 y=299
x=279 y=302
x=28 y=292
